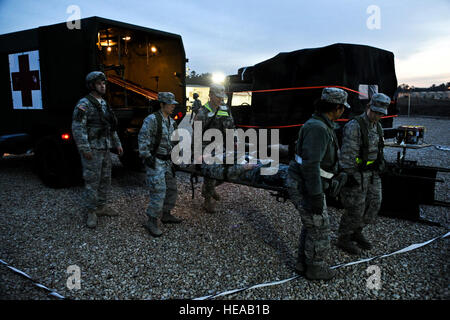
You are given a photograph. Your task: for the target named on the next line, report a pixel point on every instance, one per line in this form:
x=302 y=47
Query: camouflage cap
x=379 y=103
x=93 y=76
x=218 y=90
x=335 y=95
x=167 y=97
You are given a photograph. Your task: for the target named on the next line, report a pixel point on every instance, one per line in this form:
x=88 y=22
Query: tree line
x=407 y=88
x=205 y=80
x=196 y=78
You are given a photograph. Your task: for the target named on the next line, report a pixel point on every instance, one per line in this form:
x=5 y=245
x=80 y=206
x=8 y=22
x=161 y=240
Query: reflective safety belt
x=323 y=173
x=359 y=161
x=222 y=113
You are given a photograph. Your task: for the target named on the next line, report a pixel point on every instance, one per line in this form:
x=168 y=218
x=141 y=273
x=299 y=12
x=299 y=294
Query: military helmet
x=195 y=95
x=92 y=77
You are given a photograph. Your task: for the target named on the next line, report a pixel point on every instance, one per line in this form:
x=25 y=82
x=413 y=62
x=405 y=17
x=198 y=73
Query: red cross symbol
x=25 y=80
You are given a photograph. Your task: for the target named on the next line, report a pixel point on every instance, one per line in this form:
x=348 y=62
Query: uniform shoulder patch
x=82 y=107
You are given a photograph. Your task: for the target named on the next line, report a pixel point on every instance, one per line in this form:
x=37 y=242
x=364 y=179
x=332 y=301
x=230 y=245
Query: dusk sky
x=224 y=36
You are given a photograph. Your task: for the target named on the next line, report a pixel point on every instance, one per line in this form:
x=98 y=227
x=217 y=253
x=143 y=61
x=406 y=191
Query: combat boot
x=215 y=196
x=152 y=227
x=314 y=272
x=345 y=243
x=362 y=242
x=107 y=211
x=91 y=219
x=203 y=191
x=300 y=266
x=209 y=205
x=168 y=218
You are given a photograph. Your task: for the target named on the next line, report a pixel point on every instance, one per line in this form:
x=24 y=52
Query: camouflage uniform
x=221 y=120
x=196 y=106
x=92 y=134
x=315 y=161
x=160 y=179
x=362 y=199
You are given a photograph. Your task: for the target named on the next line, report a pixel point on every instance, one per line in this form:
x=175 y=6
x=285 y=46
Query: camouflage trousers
x=361 y=202
x=163 y=188
x=209 y=186
x=314 y=243
x=97 y=178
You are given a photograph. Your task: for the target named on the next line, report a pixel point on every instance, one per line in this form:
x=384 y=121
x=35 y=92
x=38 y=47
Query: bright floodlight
x=218 y=77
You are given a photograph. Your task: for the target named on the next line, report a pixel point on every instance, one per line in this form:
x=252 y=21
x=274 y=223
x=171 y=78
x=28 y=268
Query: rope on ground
x=266 y=284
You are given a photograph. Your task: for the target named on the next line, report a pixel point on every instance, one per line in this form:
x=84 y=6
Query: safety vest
x=220 y=113
x=362 y=160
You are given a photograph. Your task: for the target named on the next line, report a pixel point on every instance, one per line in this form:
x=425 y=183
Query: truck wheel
x=53 y=163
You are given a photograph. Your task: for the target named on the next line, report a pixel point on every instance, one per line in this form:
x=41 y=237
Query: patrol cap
x=167 y=97
x=379 y=103
x=218 y=90
x=335 y=95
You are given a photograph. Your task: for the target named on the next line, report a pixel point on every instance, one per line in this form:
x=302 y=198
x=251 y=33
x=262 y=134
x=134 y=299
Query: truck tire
x=56 y=164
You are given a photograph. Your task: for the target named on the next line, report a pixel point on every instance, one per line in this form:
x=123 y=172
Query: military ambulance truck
x=42 y=76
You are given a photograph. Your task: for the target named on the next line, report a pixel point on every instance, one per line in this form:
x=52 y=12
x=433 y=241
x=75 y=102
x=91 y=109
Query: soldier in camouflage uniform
x=155 y=147
x=93 y=128
x=214 y=115
x=362 y=159
x=310 y=175
x=196 y=106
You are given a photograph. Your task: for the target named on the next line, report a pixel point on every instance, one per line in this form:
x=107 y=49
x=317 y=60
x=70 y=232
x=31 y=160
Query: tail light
x=65 y=136
x=179 y=115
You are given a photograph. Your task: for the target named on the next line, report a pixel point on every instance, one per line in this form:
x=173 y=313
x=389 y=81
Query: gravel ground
x=252 y=239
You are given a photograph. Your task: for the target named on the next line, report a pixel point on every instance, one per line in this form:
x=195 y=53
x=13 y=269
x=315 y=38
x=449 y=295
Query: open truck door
x=138 y=62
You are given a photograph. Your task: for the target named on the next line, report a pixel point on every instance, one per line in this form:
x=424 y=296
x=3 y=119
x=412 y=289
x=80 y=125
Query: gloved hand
x=150 y=162
x=316 y=203
x=382 y=166
x=337 y=183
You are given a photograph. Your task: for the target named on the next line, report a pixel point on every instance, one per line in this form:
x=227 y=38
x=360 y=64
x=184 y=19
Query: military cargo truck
x=42 y=76
x=280 y=92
